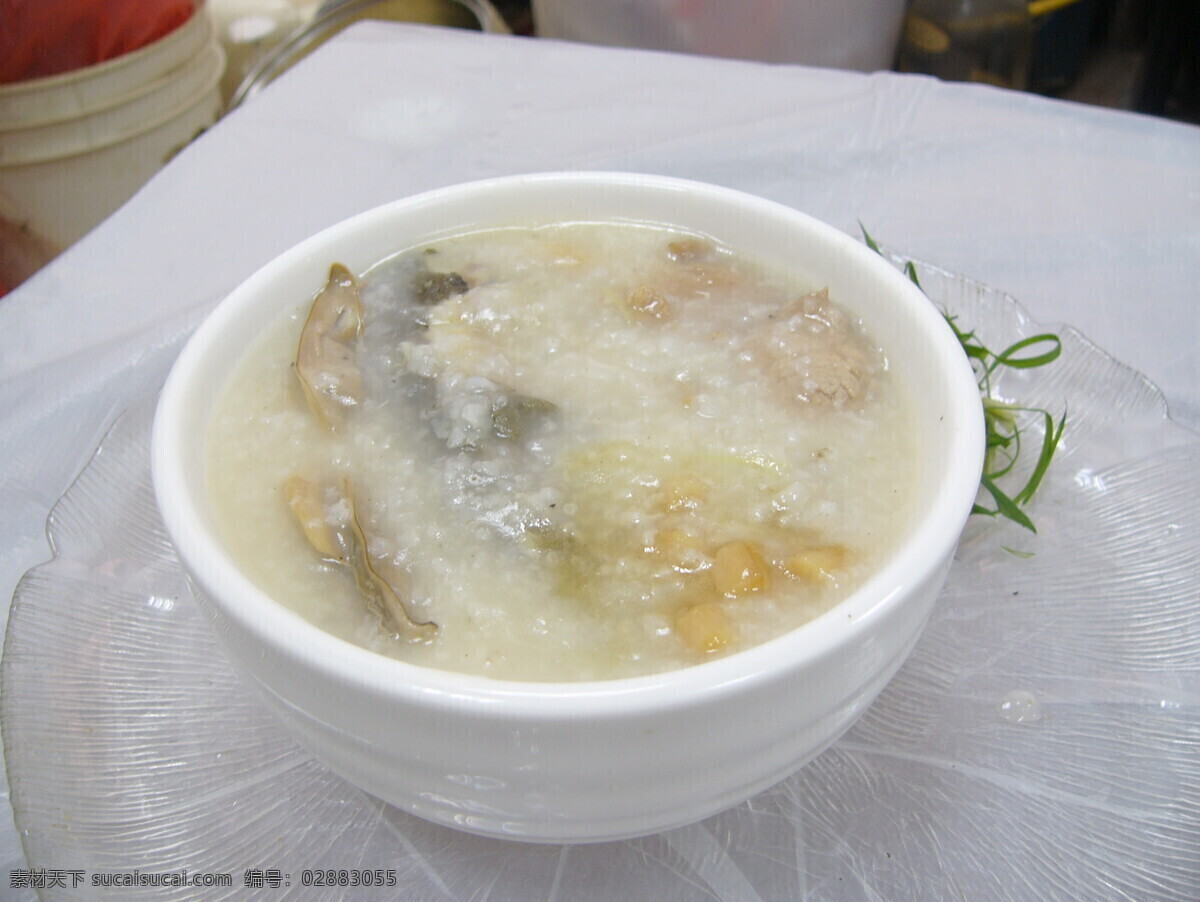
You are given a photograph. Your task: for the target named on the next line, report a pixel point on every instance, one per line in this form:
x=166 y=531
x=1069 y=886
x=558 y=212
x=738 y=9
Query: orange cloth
x=46 y=37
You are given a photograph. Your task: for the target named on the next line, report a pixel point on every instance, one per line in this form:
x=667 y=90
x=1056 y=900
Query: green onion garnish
x=1001 y=418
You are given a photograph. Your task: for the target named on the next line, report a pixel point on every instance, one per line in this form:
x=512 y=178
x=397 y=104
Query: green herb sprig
x=1002 y=418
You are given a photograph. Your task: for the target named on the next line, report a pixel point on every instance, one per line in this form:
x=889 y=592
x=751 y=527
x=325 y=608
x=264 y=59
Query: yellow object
x=925 y=35
x=706 y=628
x=683 y=491
x=1045 y=7
x=986 y=41
x=683 y=550
x=738 y=569
x=646 y=303
x=817 y=564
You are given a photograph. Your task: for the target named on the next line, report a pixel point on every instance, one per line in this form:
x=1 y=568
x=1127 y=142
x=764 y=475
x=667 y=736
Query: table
x=1090 y=217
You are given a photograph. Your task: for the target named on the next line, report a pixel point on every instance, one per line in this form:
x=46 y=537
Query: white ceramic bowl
x=572 y=762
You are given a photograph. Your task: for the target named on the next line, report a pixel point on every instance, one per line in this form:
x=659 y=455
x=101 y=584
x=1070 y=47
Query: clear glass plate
x=1041 y=743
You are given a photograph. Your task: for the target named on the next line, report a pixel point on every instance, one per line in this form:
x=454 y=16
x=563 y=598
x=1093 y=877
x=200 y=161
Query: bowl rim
x=930 y=541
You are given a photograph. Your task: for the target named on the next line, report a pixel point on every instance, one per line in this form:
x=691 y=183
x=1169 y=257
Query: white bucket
x=842 y=34
x=64 y=96
x=61 y=175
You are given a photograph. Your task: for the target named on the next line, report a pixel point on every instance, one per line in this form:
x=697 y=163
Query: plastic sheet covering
x=1042 y=742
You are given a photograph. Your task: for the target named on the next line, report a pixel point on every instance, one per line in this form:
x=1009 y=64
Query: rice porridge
x=570 y=452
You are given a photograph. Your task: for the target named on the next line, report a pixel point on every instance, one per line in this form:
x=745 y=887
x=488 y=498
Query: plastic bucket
x=136 y=112
x=59 y=179
x=59 y=97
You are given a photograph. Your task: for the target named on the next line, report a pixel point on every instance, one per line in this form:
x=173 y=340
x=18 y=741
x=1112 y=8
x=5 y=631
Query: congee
x=570 y=452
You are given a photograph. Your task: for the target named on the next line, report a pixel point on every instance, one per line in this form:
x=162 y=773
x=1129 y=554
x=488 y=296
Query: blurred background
x=97 y=95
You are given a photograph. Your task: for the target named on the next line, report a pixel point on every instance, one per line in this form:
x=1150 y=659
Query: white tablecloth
x=1089 y=217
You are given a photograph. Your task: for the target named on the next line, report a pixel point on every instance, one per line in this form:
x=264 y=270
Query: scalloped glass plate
x=1041 y=743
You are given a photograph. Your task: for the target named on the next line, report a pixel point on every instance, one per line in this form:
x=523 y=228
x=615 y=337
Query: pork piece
x=698 y=270
x=814 y=352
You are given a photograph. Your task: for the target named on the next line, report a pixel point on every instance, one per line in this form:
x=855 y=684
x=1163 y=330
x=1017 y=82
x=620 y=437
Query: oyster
x=326 y=357
x=329 y=519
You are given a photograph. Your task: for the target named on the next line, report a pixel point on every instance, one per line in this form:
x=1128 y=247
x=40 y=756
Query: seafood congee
x=571 y=452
